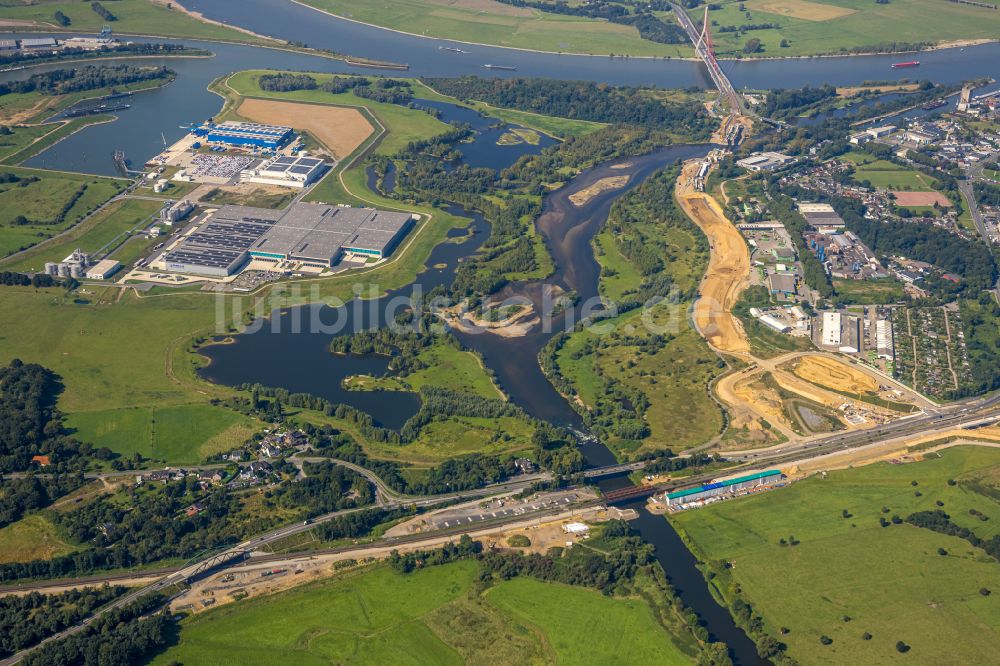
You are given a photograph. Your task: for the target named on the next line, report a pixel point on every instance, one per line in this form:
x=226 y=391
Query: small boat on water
x=451 y=49
x=903 y=65
x=505 y=68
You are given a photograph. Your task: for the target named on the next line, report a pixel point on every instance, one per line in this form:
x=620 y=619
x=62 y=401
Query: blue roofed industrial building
x=245 y=135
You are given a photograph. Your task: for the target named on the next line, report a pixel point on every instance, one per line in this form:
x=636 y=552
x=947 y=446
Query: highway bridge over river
x=705 y=50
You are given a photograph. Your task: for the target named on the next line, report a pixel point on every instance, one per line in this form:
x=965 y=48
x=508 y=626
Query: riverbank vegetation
x=621 y=27
x=584 y=100
x=461 y=605
x=852 y=568
x=640 y=379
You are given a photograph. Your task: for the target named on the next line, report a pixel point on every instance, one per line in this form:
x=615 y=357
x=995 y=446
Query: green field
x=20 y=137
x=889 y=581
x=32 y=211
x=486 y=22
x=884 y=174
x=183 y=434
x=103 y=230
x=33 y=537
x=432 y=616
x=868 y=292
x=828 y=26
x=137 y=17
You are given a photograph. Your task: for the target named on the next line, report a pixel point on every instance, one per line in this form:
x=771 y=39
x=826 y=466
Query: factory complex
x=309 y=235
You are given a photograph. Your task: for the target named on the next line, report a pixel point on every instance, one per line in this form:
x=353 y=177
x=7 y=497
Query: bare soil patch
x=340 y=129
x=728 y=269
x=835 y=375
x=921 y=198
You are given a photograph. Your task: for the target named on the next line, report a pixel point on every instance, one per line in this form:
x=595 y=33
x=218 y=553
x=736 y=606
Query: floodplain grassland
x=121 y=362
x=42 y=204
x=833 y=26
x=672 y=372
x=136 y=17
x=488 y=22
x=433 y=615
x=848 y=575
x=97 y=232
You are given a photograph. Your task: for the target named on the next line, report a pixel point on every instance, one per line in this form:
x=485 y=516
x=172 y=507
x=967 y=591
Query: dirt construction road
x=728 y=269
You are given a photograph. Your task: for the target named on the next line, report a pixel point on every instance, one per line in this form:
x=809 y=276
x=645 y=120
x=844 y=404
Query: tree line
x=77 y=79
x=120 y=637
x=939 y=521
x=27 y=620
x=75 y=53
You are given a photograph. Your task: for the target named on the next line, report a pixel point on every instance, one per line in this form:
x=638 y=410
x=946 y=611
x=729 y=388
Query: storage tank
x=76 y=271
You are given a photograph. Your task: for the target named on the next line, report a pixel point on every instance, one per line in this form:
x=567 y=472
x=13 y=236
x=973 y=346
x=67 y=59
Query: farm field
x=489 y=22
x=433 y=615
x=112 y=358
x=339 y=129
x=839 y=26
x=137 y=17
x=850 y=575
x=41 y=204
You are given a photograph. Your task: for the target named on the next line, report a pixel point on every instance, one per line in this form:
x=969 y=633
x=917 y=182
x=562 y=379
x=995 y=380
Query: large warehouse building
x=245 y=135
x=287 y=171
x=727 y=488
x=314 y=234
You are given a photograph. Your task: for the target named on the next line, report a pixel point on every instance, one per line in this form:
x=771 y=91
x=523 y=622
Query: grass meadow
x=827 y=26
x=487 y=22
x=33 y=537
x=849 y=575
x=32 y=211
x=433 y=615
